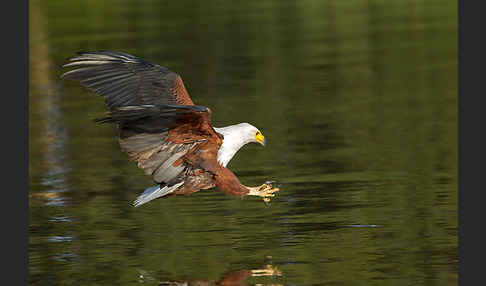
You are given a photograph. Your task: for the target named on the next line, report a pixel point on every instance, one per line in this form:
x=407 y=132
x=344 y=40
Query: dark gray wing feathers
x=122 y=79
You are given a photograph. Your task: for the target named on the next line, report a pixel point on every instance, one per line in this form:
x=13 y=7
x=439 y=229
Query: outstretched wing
x=125 y=80
x=157 y=137
x=158 y=122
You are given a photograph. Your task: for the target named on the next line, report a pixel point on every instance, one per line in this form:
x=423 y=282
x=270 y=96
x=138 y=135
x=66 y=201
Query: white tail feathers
x=155 y=192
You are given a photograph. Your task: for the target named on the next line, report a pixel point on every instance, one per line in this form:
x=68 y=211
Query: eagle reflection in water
x=233 y=278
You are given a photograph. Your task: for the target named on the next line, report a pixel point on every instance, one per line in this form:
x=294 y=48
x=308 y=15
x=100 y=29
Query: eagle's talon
x=264 y=191
x=269 y=270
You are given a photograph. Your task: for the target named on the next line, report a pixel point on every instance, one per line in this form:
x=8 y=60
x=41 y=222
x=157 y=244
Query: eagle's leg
x=265 y=191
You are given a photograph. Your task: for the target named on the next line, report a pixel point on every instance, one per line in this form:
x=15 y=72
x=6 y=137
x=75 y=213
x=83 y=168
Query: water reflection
x=233 y=278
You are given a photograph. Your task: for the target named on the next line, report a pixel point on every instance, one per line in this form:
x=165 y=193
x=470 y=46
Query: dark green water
x=357 y=100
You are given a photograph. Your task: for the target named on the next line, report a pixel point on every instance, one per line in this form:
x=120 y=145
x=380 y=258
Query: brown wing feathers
x=182 y=97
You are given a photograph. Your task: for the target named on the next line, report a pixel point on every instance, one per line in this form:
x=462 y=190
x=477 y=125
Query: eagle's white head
x=235 y=137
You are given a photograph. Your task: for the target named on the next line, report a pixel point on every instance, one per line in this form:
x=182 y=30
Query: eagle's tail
x=155 y=192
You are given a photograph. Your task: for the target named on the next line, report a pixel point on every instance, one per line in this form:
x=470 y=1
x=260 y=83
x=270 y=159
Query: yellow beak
x=260 y=139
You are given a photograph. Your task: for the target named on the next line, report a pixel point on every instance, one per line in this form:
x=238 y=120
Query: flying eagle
x=161 y=129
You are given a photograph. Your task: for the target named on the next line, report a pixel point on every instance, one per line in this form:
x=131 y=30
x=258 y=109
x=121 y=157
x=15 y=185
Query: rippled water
x=357 y=100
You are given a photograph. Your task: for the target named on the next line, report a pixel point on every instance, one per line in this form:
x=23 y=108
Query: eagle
x=161 y=129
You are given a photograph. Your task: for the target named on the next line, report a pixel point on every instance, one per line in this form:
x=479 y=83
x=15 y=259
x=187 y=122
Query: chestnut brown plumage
x=161 y=129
